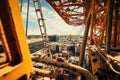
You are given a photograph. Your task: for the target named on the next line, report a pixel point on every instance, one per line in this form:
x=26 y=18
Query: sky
x=55 y=25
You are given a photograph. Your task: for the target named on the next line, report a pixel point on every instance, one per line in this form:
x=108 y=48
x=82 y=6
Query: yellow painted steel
x=25 y=66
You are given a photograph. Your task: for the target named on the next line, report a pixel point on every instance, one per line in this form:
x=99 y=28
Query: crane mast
x=42 y=26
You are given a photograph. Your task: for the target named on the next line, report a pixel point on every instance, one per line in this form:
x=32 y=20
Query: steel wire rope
x=27 y=16
x=21 y=1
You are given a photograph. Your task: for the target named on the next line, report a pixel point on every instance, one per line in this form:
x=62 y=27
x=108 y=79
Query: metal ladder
x=41 y=23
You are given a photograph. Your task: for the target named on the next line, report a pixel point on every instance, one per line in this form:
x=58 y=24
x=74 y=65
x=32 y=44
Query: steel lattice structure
x=73 y=12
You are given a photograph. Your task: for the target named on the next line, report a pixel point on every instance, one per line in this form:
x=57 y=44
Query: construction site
x=92 y=52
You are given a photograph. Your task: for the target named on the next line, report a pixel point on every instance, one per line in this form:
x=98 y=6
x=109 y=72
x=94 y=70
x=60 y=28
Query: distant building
x=53 y=38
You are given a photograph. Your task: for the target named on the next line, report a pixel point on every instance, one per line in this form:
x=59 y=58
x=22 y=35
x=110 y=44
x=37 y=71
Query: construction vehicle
x=100 y=17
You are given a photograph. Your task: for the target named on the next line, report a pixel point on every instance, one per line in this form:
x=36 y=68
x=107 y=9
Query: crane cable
x=21 y=5
x=27 y=17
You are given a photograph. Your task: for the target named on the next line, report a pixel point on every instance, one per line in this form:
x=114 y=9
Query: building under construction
x=94 y=56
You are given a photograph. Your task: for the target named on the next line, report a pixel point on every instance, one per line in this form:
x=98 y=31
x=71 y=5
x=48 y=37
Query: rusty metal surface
x=66 y=65
x=73 y=12
x=98 y=21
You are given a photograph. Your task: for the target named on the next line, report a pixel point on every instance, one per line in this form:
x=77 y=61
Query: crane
x=42 y=26
x=100 y=17
x=73 y=12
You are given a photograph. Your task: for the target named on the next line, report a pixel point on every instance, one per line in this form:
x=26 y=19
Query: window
x=3 y=57
x=3 y=46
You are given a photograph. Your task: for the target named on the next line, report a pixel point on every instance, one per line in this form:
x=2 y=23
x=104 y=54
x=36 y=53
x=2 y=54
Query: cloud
x=54 y=23
x=33 y=27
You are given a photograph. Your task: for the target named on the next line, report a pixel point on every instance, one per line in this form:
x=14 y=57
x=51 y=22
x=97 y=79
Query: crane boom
x=73 y=12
